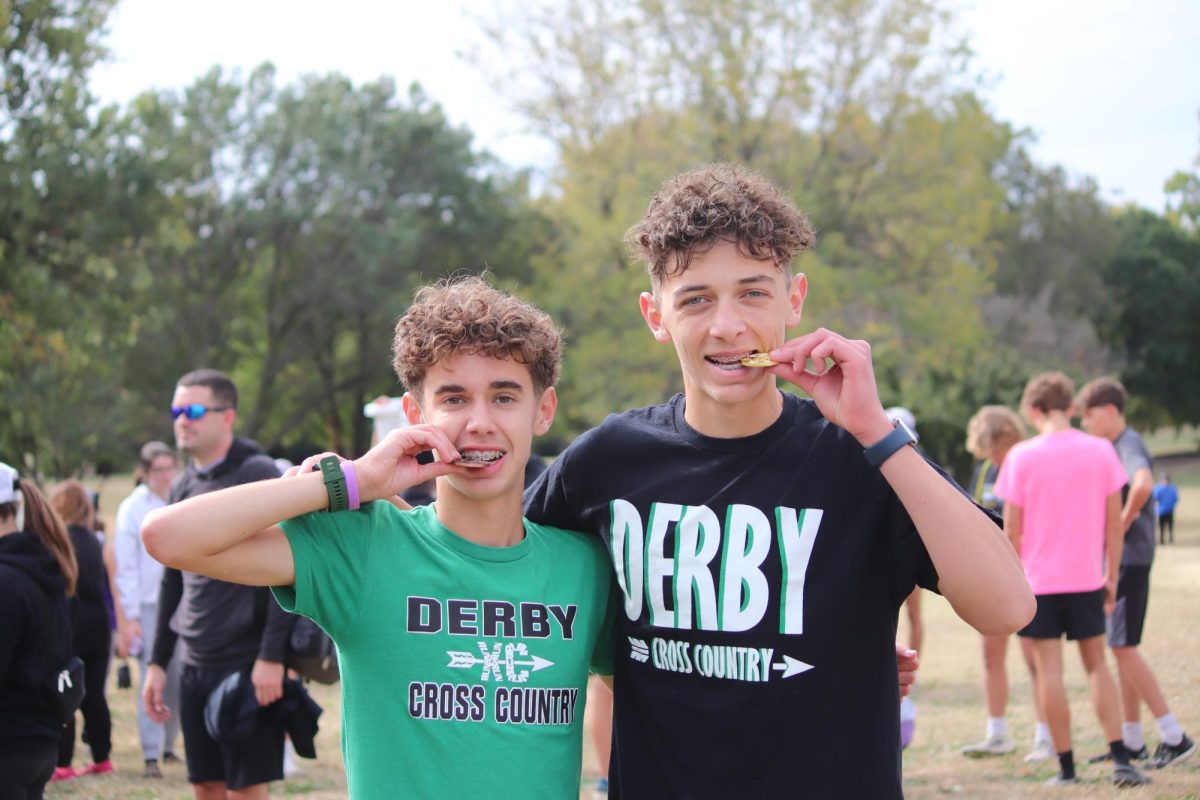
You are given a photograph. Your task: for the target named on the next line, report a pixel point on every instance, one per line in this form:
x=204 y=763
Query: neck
x=1054 y=422
x=495 y=522
x=8 y=526
x=733 y=421
x=208 y=458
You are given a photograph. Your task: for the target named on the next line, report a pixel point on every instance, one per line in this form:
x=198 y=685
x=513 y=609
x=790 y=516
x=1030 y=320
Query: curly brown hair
x=694 y=211
x=993 y=428
x=466 y=314
x=1049 y=391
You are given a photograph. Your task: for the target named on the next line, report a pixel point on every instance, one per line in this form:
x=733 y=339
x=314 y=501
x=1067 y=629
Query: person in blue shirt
x=1166 y=496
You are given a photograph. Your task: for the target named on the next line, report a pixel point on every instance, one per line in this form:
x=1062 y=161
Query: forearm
x=186 y=534
x=1114 y=536
x=978 y=569
x=1140 y=490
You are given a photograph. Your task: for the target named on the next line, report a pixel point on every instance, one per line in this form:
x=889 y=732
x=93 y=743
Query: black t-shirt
x=762 y=580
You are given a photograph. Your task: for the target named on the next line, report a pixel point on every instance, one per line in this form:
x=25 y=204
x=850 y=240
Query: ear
x=797 y=291
x=547 y=405
x=412 y=409
x=653 y=317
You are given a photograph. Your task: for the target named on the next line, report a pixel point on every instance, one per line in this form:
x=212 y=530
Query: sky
x=1110 y=88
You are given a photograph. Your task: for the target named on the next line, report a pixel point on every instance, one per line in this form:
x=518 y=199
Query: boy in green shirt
x=465 y=633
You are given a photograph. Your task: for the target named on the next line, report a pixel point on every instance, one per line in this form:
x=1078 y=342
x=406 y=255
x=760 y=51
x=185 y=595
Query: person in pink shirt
x=1062 y=505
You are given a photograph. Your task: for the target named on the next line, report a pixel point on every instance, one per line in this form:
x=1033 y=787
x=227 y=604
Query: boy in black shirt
x=763 y=559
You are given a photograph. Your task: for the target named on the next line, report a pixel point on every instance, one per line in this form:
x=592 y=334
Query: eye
x=505 y=399
x=757 y=293
x=453 y=400
x=692 y=301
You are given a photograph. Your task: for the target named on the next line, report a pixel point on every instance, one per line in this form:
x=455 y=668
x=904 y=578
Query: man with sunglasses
x=222 y=627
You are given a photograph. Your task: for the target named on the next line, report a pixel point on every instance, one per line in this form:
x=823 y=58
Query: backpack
x=311 y=652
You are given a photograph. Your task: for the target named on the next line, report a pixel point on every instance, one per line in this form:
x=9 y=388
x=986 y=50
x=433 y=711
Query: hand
x=128 y=633
x=152 y=694
x=845 y=392
x=1110 y=596
x=907 y=664
x=267 y=677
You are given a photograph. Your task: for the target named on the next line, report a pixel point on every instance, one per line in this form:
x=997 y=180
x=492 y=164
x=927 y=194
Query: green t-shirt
x=464 y=668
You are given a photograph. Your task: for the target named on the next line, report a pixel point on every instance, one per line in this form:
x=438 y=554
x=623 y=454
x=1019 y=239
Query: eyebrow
x=454 y=388
x=699 y=287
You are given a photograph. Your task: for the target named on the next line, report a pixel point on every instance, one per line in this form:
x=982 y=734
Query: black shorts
x=1080 y=615
x=258 y=760
x=1129 y=617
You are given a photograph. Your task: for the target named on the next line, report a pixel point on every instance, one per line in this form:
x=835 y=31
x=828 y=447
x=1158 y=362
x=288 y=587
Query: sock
x=1041 y=733
x=1066 y=765
x=997 y=727
x=1120 y=752
x=1134 y=737
x=1169 y=727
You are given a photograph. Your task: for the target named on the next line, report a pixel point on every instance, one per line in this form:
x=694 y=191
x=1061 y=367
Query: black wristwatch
x=886 y=447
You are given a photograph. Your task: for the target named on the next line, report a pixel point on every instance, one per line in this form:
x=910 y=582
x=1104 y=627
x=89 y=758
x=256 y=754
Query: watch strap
x=335 y=483
x=886 y=447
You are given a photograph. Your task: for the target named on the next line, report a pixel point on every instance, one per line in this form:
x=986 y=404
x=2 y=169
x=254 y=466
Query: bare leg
x=209 y=790
x=1047 y=656
x=995 y=674
x=1138 y=683
x=1104 y=690
x=1027 y=651
x=256 y=792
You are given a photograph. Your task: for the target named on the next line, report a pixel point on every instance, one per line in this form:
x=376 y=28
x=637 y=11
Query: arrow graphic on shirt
x=791 y=667
x=460 y=659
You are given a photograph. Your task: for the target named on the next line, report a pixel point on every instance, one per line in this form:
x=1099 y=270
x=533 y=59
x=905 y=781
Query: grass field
x=949 y=697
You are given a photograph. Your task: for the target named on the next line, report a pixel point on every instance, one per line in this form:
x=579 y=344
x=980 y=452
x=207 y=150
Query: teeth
x=480 y=456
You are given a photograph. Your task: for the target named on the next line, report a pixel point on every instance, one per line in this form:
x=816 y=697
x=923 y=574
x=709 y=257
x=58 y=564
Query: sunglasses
x=195 y=410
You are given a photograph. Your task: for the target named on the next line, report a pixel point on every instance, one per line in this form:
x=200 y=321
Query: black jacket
x=90 y=631
x=32 y=593
x=220 y=624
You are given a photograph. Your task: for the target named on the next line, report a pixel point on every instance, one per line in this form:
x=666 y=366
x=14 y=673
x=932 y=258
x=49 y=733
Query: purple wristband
x=351 y=484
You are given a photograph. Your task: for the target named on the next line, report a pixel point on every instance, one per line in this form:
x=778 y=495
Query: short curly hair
x=466 y=314
x=697 y=210
x=993 y=428
x=1049 y=391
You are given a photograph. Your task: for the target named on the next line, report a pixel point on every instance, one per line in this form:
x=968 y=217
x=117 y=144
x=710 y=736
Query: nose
x=726 y=321
x=480 y=419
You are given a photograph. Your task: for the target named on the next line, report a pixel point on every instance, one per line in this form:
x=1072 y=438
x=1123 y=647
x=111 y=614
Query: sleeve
x=549 y=500
x=1116 y=474
x=10 y=626
x=273 y=646
x=606 y=643
x=259 y=468
x=126 y=549
x=169 y=593
x=330 y=553
x=1007 y=486
x=1133 y=455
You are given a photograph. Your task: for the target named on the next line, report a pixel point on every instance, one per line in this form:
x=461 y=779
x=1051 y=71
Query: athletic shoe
x=171 y=758
x=1059 y=780
x=63 y=774
x=1141 y=754
x=152 y=770
x=1042 y=751
x=103 y=768
x=998 y=745
x=1128 y=775
x=1168 y=754
x=601 y=790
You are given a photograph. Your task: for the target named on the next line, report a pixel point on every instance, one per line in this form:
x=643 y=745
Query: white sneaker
x=992 y=746
x=1042 y=751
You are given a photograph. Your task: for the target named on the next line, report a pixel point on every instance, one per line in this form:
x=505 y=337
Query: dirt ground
x=949 y=700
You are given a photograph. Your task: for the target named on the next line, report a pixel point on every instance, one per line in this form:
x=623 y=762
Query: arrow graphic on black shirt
x=791 y=666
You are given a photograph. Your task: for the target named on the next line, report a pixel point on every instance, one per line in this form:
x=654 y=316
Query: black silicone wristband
x=886 y=447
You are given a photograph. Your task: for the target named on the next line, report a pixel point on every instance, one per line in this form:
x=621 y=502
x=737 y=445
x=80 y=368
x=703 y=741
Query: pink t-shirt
x=1061 y=481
